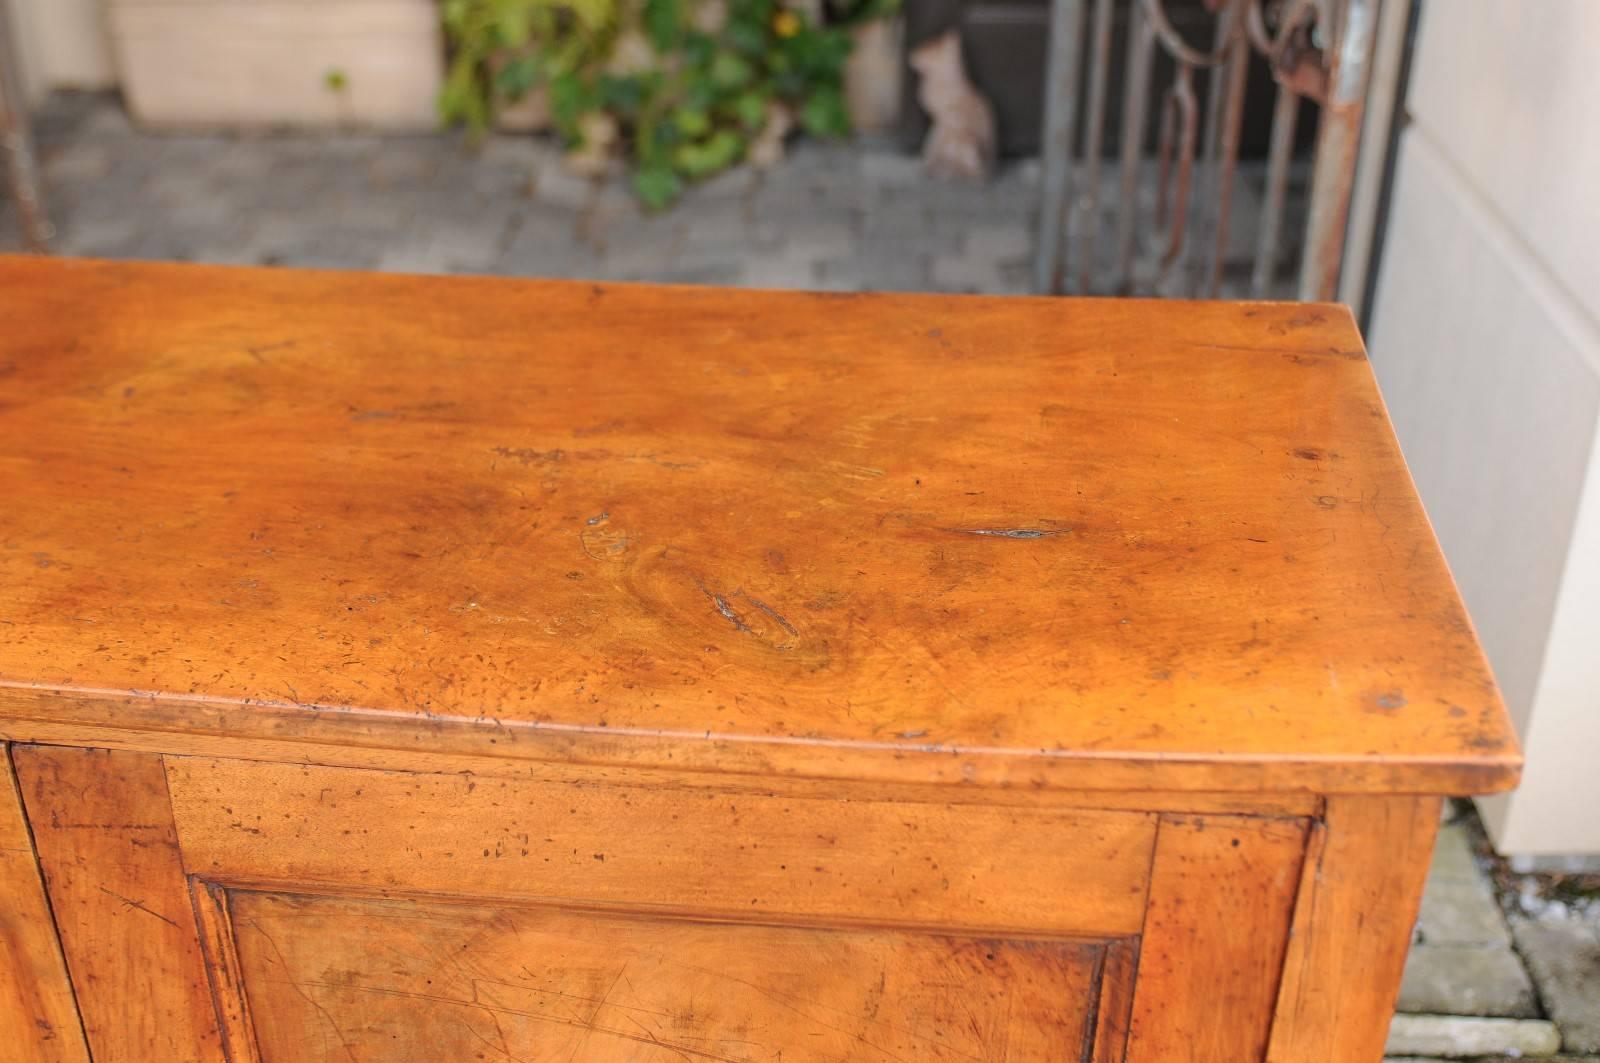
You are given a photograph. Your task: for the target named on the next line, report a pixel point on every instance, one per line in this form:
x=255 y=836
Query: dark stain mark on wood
x=725 y=609
x=746 y=622
x=529 y=456
x=1011 y=533
x=777 y=617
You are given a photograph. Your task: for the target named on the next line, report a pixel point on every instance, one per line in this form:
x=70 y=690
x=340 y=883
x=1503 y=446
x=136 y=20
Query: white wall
x=62 y=45
x=1486 y=337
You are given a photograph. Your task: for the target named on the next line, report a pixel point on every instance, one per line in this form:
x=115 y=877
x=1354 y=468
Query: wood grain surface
x=103 y=829
x=590 y=988
x=38 y=1015
x=1358 y=901
x=1222 y=893
x=839 y=860
x=1059 y=543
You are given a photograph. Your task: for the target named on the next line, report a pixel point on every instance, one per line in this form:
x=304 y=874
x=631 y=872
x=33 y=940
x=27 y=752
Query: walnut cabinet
x=436 y=669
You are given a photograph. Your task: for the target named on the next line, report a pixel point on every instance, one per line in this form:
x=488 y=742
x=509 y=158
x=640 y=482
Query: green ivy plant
x=693 y=110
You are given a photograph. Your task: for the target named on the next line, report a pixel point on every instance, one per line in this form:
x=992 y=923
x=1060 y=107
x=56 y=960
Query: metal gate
x=1173 y=220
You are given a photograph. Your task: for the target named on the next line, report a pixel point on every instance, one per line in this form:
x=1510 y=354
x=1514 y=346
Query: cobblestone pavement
x=834 y=216
x=847 y=216
x=1485 y=985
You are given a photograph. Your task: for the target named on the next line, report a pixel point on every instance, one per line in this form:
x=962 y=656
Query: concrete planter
x=265 y=63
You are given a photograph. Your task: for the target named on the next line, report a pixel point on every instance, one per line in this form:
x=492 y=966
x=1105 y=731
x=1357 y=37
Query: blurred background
x=1432 y=164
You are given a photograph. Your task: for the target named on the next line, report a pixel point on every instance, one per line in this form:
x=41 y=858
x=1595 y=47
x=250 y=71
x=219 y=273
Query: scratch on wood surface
x=131 y=903
x=777 y=617
x=1012 y=533
x=725 y=609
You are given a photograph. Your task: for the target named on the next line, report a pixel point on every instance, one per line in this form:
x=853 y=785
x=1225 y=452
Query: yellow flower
x=786 y=23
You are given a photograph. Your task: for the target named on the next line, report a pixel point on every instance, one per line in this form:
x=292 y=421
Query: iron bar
x=1060 y=133
x=1319 y=50
x=1285 y=115
x=1135 y=103
x=1089 y=204
x=1180 y=122
x=1227 y=162
x=1384 y=86
x=1207 y=202
x=16 y=144
x=1338 y=138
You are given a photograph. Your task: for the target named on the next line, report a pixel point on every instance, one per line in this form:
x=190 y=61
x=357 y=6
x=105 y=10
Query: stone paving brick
x=892 y=169
x=525 y=153
x=97 y=237
x=246 y=161
x=1564 y=957
x=1003 y=242
x=555 y=186
x=720 y=273
x=960 y=273
x=828 y=239
x=722 y=225
x=778 y=272
x=1455 y=1036
x=874 y=273
x=1474 y=980
x=737 y=183
x=1461 y=913
x=78 y=162
x=1452 y=856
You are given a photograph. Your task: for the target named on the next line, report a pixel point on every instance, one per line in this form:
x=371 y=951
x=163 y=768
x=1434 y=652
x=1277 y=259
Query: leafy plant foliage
x=687 y=88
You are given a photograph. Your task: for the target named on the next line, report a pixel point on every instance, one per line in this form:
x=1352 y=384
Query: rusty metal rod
x=16 y=144
x=1338 y=139
x=1184 y=118
x=1285 y=115
x=1135 y=104
x=1206 y=201
x=1227 y=161
x=1089 y=203
x=1060 y=133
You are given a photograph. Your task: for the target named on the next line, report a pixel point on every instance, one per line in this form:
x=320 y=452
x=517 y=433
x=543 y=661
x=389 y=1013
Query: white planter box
x=232 y=63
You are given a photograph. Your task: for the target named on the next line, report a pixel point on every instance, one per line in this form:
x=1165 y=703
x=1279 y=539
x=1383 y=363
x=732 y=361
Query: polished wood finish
x=110 y=857
x=810 y=858
x=1366 y=869
x=1222 y=892
x=219 y=941
x=429 y=669
x=590 y=987
x=1081 y=544
x=38 y=1016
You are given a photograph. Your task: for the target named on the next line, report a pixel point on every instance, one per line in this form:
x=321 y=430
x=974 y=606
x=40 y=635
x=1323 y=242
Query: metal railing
x=1321 y=50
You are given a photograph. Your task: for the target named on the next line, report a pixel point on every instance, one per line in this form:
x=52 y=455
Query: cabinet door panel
x=1069 y=872
x=37 y=1009
x=357 y=979
x=103 y=829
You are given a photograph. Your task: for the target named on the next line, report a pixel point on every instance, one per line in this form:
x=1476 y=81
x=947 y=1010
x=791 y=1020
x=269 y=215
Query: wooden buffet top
x=1035 y=542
